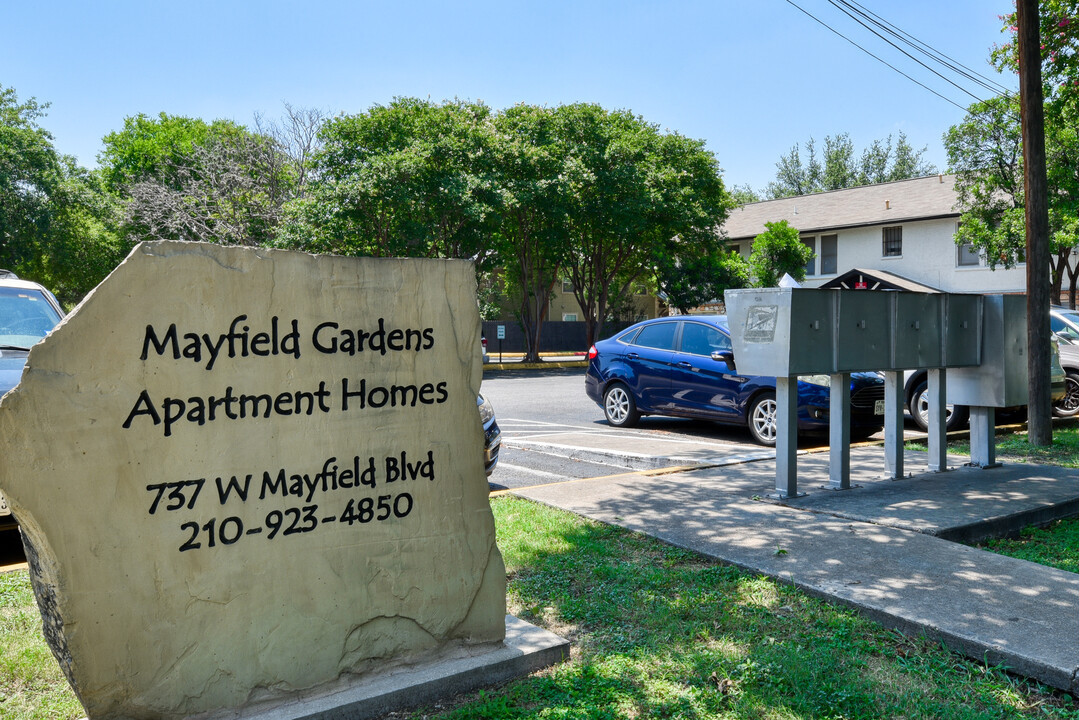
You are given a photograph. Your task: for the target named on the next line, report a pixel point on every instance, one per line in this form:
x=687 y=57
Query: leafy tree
x=744 y=194
x=412 y=178
x=55 y=221
x=839 y=168
x=795 y=177
x=778 y=251
x=152 y=149
x=694 y=281
x=880 y=162
x=183 y=178
x=639 y=199
x=985 y=152
x=30 y=172
x=84 y=244
x=533 y=233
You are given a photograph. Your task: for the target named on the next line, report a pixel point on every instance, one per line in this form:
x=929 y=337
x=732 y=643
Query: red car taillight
x=592 y=353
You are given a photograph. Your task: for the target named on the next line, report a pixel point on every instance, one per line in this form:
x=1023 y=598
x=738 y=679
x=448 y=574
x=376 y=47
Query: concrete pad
x=527 y=648
x=990 y=607
x=965 y=504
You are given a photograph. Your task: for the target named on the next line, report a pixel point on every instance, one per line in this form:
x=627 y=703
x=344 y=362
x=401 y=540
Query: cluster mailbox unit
x=788 y=332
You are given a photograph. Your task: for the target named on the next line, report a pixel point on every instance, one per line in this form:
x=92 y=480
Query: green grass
x=660 y=632
x=31 y=684
x=1014 y=447
x=657 y=632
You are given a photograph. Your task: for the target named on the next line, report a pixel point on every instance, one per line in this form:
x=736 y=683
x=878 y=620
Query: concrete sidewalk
x=883 y=548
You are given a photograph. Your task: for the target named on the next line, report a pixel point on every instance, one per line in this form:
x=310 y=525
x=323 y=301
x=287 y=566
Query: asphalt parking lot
x=552 y=432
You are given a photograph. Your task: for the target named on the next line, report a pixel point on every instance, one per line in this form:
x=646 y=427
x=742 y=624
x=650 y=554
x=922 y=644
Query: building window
x=968 y=256
x=811 y=266
x=567 y=286
x=893 y=242
x=829 y=250
x=569 y=317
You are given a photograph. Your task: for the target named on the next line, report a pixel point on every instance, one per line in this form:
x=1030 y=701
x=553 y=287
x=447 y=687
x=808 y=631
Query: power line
x=879 y=59
x=925 y=48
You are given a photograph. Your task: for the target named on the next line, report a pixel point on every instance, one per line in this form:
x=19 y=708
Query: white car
x=1065 y=327
x=1065 y=376
x=27 y=313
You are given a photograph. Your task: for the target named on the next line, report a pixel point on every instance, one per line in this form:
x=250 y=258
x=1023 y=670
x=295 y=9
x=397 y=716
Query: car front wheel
x=955 y=415
x=619 y=406
x=1069 y=406
x=762 y=419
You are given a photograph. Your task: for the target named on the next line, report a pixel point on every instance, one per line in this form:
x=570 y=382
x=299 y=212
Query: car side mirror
x=726 y=356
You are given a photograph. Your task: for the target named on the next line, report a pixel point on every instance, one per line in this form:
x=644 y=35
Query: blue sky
x=750 y=77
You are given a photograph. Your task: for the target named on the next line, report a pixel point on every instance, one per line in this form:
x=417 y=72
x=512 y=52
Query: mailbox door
x=963 y=330
x=809 y=345
x=918 y=342
x=863 y=330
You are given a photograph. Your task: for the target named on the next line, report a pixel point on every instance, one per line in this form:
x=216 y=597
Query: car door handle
x=685 y=365
x=633 y=356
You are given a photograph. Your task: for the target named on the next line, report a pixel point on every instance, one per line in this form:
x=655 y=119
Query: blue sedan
x=684 y=367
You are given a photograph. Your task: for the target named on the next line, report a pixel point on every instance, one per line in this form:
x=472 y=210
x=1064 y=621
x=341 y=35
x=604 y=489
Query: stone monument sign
x=247 y=474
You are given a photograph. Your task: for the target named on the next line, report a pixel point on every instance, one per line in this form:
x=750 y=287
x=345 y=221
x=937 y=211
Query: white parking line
x=531 y=471
x=563 y=455
x=622 y=436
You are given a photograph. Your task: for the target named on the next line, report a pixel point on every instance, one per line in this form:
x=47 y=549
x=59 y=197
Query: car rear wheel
x=955 y=415
x=762 y=419
x=619 y=406
x=1069 y=406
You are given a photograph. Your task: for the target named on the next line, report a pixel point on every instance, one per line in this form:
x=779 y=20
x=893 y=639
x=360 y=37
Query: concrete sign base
x=527 y=648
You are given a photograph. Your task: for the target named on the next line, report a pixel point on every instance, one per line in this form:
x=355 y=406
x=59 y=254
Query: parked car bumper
x=492 y=435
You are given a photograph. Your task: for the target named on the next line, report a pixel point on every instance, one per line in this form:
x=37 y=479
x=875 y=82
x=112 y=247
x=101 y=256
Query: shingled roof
x=895 y=202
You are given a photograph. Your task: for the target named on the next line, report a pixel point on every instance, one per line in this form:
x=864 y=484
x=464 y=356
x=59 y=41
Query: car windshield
x=1070 y=329
x=25 y=317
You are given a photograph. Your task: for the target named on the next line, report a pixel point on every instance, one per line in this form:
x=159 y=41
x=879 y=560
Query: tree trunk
x=1039 y=407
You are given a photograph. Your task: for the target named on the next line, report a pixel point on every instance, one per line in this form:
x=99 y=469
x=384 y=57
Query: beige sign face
x=247 y=473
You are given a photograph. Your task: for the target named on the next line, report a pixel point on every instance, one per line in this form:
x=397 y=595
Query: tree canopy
x=530 y=194
x=602 y=197
x=985 y=152
x=54 y=217
x=778 y=251
x=881 y=161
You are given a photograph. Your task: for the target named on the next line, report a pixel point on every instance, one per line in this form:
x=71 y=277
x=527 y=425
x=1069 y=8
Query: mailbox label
x=761 y=323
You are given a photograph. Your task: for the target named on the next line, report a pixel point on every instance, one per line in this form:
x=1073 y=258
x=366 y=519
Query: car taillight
x=592 y=353
x=483 y=341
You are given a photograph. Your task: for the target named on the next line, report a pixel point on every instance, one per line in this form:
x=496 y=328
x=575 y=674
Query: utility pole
x=1039 y=357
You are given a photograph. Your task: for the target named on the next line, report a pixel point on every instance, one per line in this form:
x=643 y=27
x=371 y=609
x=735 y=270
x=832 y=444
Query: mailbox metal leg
x=839 y=432
x=786 y=437
x=893 y=424
x=983 y=437
x=938 y=430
